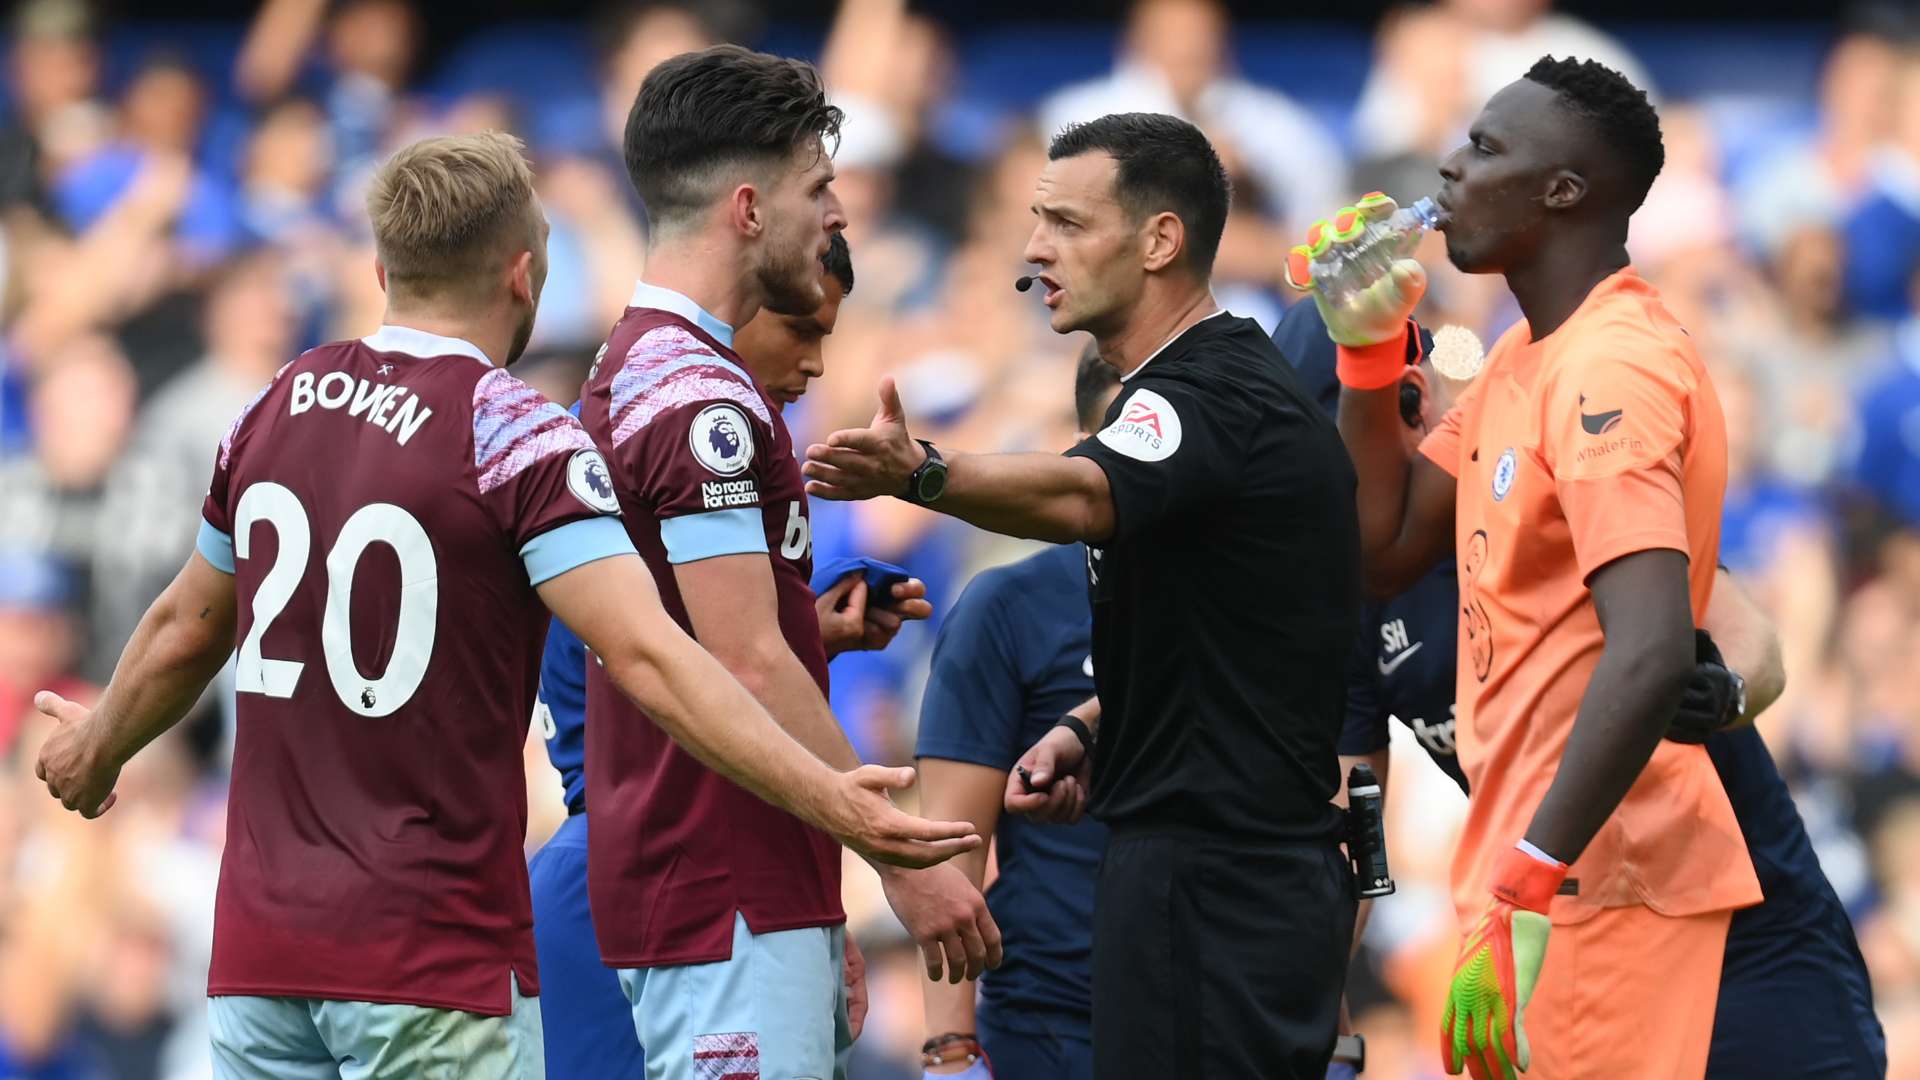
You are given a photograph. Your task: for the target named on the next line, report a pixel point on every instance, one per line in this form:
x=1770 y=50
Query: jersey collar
x=654 y=296
x=1164 y=345
x=421 y=344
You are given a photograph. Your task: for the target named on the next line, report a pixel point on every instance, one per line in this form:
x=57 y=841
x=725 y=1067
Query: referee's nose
x=1039 y=251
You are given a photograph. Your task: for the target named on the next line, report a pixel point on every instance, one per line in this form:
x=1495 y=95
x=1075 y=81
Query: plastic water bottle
x=1347 y=269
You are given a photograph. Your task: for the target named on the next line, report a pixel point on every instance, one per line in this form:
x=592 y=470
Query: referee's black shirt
x=1225 y=604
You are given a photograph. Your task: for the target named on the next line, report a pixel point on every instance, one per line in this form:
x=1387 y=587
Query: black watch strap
x=1079 y=728
x=933 y=461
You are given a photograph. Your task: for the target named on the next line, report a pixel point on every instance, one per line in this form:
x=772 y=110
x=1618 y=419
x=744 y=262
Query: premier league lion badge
x=721 y=440
x=588 y=479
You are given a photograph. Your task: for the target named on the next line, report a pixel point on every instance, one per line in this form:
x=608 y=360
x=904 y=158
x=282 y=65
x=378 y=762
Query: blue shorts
x=589 y=1028
x=1041 y=1045
x=1794 y=999
x=290 y=1038
x=776 y=1007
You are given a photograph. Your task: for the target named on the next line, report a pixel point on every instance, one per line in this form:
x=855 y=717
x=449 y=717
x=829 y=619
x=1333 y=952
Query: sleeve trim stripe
x=215 y=546
x=573 y=545
x=693 y=537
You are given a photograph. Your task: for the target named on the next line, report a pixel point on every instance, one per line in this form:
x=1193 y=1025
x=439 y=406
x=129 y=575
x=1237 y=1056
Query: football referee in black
x=1218 y=508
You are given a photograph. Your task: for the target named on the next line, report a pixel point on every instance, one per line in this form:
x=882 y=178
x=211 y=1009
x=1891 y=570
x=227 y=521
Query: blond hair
x=444 y=209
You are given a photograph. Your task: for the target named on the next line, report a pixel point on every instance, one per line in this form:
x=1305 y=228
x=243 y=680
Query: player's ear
x=520 y=278
x=380 y=273
x=1565 y=190
x=1162 y=239
x=746 y=212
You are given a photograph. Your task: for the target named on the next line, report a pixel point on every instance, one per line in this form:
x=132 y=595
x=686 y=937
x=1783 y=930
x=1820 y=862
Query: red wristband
x=1524 y=881
x=1371 y=367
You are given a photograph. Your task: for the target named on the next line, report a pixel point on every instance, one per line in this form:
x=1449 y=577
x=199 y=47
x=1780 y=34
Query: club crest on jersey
x=721 y=440
x=588 y=479
x=1503 y=473
x=1148 y=428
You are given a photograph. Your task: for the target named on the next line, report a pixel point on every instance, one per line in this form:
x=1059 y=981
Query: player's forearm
x=1038 y=496
x=1089 y=713
x=956 y=791
x=1375 y=437
x=770 y=671
x=949 y=1007
x=1748 y=643
x=1635 y=690
x=710 y=715
x=173 y=654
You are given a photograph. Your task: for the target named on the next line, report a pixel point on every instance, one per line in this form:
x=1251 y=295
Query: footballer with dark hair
x=722 y=918
x=1580 y=480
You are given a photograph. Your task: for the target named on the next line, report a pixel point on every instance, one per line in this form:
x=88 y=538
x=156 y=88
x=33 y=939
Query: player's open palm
x=948 y=917
x=70 y=761
x=868 y=462
x=863 y=817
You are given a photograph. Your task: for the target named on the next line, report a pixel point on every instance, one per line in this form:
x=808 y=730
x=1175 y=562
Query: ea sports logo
x=1148 y=428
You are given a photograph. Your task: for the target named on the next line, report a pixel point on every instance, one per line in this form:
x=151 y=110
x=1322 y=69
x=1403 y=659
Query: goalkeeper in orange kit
x=1579 y=482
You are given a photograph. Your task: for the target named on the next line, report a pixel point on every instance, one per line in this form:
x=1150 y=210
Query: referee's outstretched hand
x=1058 y=775
x=868 y=462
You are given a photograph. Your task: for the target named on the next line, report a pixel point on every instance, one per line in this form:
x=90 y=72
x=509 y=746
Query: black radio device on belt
x=1367 y=833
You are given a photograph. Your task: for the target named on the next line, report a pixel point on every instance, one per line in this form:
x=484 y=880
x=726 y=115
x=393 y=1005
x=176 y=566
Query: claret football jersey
x=704 y=468
x=387 y=507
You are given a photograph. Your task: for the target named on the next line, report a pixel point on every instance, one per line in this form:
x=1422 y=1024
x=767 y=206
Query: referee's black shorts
x=1218 y=960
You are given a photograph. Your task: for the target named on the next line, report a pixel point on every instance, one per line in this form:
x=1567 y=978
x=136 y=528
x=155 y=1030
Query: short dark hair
x=1164 y=163
x=1618 y=111
x=1092 y=378
x=722 y=108
x=839 y=262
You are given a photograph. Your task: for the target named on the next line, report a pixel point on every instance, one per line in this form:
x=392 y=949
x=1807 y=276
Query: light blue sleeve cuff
x=576 y=543
x=215 y=546
x=714 y=533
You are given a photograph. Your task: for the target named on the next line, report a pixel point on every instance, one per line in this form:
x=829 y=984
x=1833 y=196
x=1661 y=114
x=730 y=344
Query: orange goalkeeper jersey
x=1600 y=440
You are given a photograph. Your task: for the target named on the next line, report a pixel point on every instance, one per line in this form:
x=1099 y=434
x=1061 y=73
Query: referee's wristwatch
x=929 y=481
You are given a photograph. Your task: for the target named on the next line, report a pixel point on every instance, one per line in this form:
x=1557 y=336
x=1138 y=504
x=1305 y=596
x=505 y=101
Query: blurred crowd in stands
x=180 y=213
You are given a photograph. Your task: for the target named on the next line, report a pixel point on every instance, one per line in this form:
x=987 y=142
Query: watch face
x=933 y=482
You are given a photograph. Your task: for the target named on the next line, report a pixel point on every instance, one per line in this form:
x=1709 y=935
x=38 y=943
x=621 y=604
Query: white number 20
x=382 y=523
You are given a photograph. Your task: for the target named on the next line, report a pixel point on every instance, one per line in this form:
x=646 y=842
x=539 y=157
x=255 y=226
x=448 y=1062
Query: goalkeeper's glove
x=1484 y=1029
x=1716 y=696
x=1377 y=315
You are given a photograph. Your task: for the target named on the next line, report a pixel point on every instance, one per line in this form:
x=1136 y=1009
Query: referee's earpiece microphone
x=1025 y=282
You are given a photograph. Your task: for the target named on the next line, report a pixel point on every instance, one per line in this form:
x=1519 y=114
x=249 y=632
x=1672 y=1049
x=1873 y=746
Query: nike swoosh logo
x=1388 y=667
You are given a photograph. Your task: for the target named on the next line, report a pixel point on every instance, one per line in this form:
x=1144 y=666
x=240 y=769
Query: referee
x=1218 y=508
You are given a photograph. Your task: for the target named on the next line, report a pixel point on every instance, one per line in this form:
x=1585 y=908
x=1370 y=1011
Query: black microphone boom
x=1022 y=284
